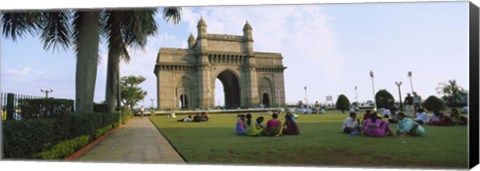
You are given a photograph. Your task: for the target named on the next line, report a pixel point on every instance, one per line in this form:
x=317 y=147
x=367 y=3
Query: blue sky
x=330 y=48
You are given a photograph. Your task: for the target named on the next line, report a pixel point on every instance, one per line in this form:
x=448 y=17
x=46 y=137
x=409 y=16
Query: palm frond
x=16 y=24
x=56 y=29
x=172 y=14
x=138 y=25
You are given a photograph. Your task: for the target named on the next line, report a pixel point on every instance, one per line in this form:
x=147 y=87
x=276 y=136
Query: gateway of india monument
x=186 y=77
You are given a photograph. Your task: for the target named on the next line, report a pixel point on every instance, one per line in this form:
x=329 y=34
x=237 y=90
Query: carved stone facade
x=186 y=77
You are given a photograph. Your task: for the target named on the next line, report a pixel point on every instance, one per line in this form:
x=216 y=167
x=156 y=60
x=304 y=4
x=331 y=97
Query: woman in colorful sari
x=252 y=126
x=376 y=127
x=240 y=126
x=274 y=126
x=290 y=127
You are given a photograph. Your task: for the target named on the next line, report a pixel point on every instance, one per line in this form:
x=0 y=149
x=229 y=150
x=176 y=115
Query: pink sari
x=379 y=128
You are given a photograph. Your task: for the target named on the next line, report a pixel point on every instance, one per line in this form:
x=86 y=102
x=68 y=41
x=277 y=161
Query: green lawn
x=321 y=143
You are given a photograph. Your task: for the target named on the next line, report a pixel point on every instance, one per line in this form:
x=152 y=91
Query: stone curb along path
x=138 y=141
x=85 y=149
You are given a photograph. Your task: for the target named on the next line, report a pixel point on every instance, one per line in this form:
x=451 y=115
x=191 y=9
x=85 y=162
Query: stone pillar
x=279 y=85
x=250 y=90
x=203 y=85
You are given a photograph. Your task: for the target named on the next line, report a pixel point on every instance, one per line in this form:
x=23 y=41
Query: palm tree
x=57 y=29
x=452 y=93
x=124 y=29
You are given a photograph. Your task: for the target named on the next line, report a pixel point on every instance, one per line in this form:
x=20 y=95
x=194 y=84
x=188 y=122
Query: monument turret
x=247 y=35
x=191 y=41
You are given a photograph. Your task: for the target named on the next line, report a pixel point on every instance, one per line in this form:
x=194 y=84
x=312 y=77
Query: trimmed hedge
x=23 y=139
x=102 y=131
x=45 y=108
x=64 y=148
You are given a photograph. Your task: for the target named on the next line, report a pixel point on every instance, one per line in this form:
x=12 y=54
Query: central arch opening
x=231 y=89
x=266 y=100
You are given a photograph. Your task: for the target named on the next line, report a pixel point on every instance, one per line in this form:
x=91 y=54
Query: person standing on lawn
x=409 y=104
x=408 y=127
x=417 y=101
x=352 y=124
x=274 y=126
x=376 y=127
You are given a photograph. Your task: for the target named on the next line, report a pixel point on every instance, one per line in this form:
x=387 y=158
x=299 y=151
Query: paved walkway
x=138 y=141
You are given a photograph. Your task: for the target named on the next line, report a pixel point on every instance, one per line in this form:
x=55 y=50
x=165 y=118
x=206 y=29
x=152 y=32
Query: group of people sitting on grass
x=247 y=126
x=439 y=118
x=196 y=118
x=436 y=118
x=373 y=125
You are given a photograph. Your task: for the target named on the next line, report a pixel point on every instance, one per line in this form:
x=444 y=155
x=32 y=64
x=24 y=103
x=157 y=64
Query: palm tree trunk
x=113 y=72
x=113 y=65
x=87 y=60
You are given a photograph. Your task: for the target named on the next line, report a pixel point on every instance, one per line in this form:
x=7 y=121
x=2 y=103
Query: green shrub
x=64 y=148
x=434 y=103
x=45 y=108
x=102 y=131
x=24 y=138
x=343 y=103
x=384 y=99
x=101 y=108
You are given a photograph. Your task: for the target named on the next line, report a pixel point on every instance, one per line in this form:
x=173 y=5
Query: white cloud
x=302 y=34
x=18 y=72
x=293 y=30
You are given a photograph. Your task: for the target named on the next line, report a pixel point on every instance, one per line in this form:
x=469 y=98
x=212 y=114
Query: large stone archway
x=248 y=76
x=231 y=89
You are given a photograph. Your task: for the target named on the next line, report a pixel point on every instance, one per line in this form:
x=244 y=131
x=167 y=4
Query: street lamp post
x=356 y=94
x=410 y=76
x=46 y=91
x=373 y=91
x=152 y=112
x=306 y=97
x=399 y=94
x=151 y=99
